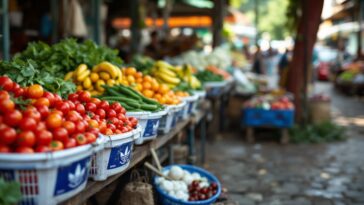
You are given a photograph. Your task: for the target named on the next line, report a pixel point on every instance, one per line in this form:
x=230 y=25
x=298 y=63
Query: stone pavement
x=267 y=173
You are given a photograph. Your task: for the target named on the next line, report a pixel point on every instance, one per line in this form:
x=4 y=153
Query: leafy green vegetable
x=208 y=76
x=9 y=192
x=142 y=63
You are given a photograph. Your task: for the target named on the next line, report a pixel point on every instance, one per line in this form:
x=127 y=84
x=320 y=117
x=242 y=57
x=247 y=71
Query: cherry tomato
x=42 y=101
x=73 y=116
x=71 y=104
x=4 y=95
x=32 y=112
x=111 y=113
x=93 y=124
x=116 y=106
x=42 y=148
x=50 y=97
x=6 y=106
x=60 y=134
x=19 y=92
x=104 y=105
x=13 y=118
x=124 y=129
x=111 y=126
x=40 y=127
x=80 y=127
x=35 y=91
x=58 y=112
x=44 y=137
x=80 y=109
x=121 y=117
x=123 y=111
x=64 y=107
x=28 y=123
x=94 y=131
x=69 y=126
x=91 y=107
x=73 y=97
x=57 y=98
x=71 y=142
x=85 y=96
x=24 y=150
x=90 y=137
x=96 y=117
x=4 y=149
x=6 y=83
x=95 y=101
x=8 y=135
x=101 y=113
x=108 y=132
x=80 y=139
x=117 y=131
x=54 y=121
x=43 y=110
x=115 y=121
x=26 y=139
x=56 y=145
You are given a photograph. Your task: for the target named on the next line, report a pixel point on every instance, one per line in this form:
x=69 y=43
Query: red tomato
x=54 y=121
x=44 y=137
x=101 y=113
x=90 y=137
x=124 y=129
x=121 y=117
x=42 y=148
x=71 y=104
x=58 y=112
x=4 y=149
x=60 y=134
x=80 y=139
x=43 y=110
x=115 y=121
x=95 y=101
x=93 y=123
x=50 y=97
x=117 y=131
x=24 y=150
x=8 y=135
x=80 y=109
x=111 y=113
x=28 y=123
x=26 y=139
x=1 y=119
x=40 y=126
x=96 y=117
x=35 y=91
x=32 y=112
x=73 y=116
x=4 y=95
x=69 y=126
x=56 y=145
x=91 y=107
x=73 y=97
x=104 y=105
x=80 y=127
x=116 y=106
x=42 y=101
x=6 y=106
x=111 y=126
x=71 y=142
x=6 y=83
x=108 y=132
x=13 y=118
x=57 y=98
x=123 y=111
x=63 y=107
x=19 y=92
x=94 y=131
x=85 y=96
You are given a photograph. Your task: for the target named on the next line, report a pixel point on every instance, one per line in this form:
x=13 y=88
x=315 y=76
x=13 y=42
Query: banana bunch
x=165 y=74
x=92 y=80
x=185 y=72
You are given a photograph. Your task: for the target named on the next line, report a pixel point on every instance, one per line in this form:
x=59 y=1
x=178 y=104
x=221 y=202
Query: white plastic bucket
x=116 y=155
x=215 y=88
x=201 y=94
x=149 y=123
x=168 y=121
x=179 y=112
x=48 y=178
x=191 y=103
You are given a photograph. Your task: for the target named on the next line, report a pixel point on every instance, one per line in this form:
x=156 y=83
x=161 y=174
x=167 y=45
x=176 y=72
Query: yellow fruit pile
x=150 y=87
x=92 y=80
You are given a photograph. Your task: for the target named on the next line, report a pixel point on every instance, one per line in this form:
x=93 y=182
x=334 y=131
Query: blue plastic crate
x=271 y=118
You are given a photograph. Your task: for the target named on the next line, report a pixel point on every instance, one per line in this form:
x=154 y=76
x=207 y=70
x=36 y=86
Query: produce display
x=208 y=76
x=46 y=65
x=186 y=186
x=130 y=99
x=93 y=80
x=34 y=120
x=218 y=71
x=268 y=102
x=150 y=87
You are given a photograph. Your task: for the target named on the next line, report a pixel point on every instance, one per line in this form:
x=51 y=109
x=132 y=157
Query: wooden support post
x=135 y=30
x=218 y=13
x=96 y=6
x=5 y=30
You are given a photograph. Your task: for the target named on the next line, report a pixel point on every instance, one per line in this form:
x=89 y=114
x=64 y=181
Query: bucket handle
x=98 y=144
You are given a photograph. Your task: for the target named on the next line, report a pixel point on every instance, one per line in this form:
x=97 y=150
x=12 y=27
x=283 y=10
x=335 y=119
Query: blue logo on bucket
x=190 y=105
x=174 y=120
x=72 y=176
x=151 y=128
x=119 y=156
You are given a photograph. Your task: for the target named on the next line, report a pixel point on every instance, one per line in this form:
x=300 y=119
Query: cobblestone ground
x=267 y=173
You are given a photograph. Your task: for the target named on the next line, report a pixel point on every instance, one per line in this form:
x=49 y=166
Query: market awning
x=173 y=22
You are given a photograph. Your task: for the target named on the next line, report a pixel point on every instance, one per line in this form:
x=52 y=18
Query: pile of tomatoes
x=34 y=120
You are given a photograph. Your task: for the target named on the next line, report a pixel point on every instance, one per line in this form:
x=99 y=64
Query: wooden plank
x=139 y=154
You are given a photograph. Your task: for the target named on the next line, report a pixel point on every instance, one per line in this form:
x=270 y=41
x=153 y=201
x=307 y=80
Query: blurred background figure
x=283 y=68
x=154 y=48
x=258 y=61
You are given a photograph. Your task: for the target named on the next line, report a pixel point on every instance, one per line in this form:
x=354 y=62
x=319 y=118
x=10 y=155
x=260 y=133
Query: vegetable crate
x=48 y=178
x=253 y=117
x=116 y=155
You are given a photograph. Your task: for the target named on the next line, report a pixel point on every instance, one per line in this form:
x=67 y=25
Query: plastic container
x=149 y=123
x=179 y=113
x=165 y=199
x=48 y=178
x=271 y=118
x=191 y=104
x=115 y=156
x=170 y=119
x=215 y=88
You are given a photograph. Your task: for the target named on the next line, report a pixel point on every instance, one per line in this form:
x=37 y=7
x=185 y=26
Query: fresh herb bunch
x=9 y=192
x=208 y=76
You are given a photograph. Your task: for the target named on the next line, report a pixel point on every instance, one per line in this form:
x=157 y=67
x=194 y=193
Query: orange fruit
x=147 y=78
x=131 y=79
x=130 y=71
x=138 y=75
x=138 y=87
x=139 y=80
x=163 y=88
x=162 y=100
x=148 y=93
x=155 y=86
x=147 y=85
